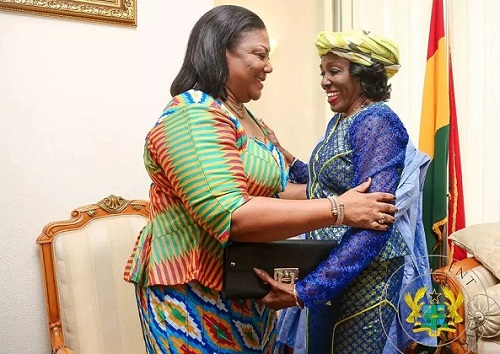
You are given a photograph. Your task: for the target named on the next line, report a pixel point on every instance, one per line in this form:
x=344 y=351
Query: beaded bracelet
x=337 y=209
x=296 y=296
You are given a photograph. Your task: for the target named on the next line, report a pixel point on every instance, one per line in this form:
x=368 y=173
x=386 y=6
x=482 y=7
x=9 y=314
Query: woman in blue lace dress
x=350 y=297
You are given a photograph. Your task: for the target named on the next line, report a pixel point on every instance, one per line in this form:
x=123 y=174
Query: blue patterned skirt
x=193 y=319
x=358 y=320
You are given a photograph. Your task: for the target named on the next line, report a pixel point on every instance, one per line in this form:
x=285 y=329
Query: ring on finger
x=382 y=220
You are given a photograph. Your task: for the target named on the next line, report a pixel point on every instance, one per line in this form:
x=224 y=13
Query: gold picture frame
x=119 y=12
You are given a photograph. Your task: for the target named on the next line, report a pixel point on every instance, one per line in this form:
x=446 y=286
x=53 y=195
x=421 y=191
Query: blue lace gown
x=350 y=296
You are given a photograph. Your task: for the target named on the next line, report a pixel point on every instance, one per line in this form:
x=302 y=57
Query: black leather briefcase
x=287 y=261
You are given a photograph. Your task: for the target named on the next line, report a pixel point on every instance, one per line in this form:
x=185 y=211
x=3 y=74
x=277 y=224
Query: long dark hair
x=373 y=80
x=205 y=66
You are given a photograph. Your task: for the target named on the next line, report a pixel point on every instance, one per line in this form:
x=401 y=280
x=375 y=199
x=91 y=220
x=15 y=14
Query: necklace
x=237 y=108
x=363 y=105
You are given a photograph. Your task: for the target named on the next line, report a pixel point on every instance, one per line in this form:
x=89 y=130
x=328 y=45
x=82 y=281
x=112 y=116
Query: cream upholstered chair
x=478 y=279
x=90 y=308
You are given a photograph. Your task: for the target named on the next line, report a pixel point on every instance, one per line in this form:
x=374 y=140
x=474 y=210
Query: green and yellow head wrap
x=362 y=47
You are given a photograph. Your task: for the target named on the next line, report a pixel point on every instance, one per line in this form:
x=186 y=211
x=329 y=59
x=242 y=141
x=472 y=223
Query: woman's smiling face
x=248 y=65
x=343 y=91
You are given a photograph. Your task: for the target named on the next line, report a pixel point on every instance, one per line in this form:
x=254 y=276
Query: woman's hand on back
x=368 y=210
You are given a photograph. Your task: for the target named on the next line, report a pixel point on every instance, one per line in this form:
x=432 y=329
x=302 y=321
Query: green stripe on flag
x=435 y=196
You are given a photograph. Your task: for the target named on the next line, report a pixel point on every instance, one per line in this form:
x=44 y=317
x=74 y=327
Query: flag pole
x=445 y=245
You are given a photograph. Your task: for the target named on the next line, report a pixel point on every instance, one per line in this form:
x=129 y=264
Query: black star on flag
x=434 y=296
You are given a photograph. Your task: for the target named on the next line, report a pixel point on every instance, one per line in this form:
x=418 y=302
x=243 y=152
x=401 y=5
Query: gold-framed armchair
x=90 y=308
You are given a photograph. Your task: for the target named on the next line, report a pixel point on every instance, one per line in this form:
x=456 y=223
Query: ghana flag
x=434 y=134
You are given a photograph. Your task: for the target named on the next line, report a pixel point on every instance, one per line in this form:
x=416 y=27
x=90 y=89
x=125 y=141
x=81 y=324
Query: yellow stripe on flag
x=435 y=107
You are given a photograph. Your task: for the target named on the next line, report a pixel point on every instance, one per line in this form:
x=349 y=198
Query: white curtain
x=474 y=46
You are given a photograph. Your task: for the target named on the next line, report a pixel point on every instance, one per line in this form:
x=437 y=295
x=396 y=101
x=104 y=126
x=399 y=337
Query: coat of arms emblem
x=434 y=317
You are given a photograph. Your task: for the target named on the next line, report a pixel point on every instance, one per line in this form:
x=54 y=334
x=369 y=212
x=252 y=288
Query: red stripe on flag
x=456 y=210
x=436 y=28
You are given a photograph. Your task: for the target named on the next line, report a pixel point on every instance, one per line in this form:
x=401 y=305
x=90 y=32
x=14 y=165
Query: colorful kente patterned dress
x=350 y=295
x=203 y=167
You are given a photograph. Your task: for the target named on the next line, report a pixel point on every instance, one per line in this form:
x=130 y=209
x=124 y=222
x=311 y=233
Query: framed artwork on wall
x=119 y=12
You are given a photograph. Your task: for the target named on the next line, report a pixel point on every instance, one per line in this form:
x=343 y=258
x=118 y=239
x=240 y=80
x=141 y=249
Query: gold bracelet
x=296 y=296
x=337 y=209
x=340 y=216
x=334 y=204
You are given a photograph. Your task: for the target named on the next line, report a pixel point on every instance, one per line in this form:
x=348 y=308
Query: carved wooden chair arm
x=449 y=276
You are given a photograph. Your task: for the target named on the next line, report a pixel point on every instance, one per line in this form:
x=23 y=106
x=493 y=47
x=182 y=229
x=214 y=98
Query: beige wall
x=292 y=102
x=476 y=48
x=76 y=100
